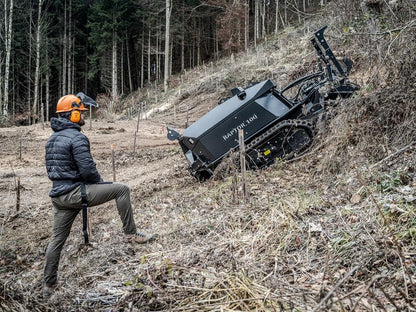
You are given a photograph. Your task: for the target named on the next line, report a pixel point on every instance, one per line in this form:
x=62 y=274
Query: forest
x=115 y=47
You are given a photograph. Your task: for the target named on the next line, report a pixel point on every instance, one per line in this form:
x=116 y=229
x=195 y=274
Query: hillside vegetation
x=333 y=230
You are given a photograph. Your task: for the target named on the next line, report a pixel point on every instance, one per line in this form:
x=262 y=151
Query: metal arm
x=327 y=56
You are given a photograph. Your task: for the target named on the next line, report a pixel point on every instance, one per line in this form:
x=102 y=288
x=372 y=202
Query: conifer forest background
x=114 y=47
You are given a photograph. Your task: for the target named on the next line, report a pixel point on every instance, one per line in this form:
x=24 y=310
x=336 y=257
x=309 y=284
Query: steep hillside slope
x=332 y=231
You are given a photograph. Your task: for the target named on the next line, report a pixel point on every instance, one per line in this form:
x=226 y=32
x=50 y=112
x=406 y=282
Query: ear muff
x=75 y=116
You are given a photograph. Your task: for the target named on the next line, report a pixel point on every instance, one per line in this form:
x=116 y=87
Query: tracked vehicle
x=275 y=125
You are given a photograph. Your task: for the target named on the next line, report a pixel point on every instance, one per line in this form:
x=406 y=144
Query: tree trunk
x=128 y=64
x=114 y=91
x=64 y=55
x=7 y=63
x=167 y=45
x=47 y=85
x=182 y=52
x=256 y=21
x=122 y=69
x=192 y=47
x=149 y=63
x=157 y=71
x=2 y=60
x=170 y=59
x=142 y=64
x=239 y=40
x=72 y=67
x=86 y=67
x=69 y=50
x=198 y=45
x=1 y=87
x=216 y=43
x=183 y=44
x=29 y=71
x=246 y=24
x=276 y=22
x=263 y=19
x=285 y=12
x=14 y=93
x=37 y=68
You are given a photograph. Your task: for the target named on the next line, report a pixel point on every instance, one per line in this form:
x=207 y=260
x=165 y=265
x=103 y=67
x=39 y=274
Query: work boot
x=140 y=237
x=48 y=291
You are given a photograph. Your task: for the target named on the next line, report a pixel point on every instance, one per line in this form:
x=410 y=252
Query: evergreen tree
x=107 y=24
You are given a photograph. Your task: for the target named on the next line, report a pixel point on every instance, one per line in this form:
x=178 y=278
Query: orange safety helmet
x=69 y=103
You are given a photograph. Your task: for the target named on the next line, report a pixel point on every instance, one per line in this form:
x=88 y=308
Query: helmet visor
x=86 y=100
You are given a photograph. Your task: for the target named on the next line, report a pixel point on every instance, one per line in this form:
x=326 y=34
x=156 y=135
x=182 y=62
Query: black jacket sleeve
x=82 y=156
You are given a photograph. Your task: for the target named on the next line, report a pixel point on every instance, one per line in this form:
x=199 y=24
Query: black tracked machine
x=275 y=125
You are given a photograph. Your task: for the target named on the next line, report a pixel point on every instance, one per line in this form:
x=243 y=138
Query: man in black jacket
x=74 y=175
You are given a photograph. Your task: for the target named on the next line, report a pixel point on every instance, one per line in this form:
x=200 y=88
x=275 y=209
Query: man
x=77 y=183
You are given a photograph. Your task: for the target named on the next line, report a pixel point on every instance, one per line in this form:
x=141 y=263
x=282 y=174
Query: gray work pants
x=67 y=207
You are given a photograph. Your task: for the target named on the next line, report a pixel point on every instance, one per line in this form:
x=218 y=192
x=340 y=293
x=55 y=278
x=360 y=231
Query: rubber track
x=286 y=123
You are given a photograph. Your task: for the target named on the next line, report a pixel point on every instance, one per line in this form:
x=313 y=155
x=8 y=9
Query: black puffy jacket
x=68 y=158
